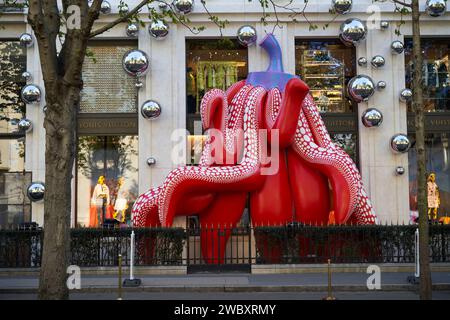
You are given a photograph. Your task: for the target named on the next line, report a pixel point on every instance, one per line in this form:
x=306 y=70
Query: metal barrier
x=292 y=244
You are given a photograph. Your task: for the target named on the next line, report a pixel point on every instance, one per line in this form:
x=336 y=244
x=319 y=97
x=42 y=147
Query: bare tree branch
x=403 y=3
x=118 y=20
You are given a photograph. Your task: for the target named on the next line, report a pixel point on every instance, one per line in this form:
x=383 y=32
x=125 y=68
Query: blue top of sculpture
x=274 y=76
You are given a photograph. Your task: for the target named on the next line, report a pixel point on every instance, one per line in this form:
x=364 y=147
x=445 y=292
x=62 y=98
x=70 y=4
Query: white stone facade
x=166 y=84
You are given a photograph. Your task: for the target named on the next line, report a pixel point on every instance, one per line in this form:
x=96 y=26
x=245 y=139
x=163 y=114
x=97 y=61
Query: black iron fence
x=293 y=244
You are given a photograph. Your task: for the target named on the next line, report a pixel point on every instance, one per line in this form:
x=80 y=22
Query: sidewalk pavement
x=232 y=282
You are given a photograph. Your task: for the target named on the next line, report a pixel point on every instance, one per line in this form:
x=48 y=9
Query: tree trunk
x=59 y=158
x=424 y=250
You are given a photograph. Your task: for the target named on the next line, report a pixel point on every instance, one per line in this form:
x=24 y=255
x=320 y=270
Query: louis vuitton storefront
x=121 y=153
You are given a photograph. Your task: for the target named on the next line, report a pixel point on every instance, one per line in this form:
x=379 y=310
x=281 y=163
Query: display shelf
x=326 y=78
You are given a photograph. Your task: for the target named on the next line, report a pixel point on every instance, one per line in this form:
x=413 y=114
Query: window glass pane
x=348 y=143
x=326 y=66
x=107 y=178
x=435 y=71
x=107 y=87
x=438 y=162
x=15 y=206
x=211 y=63
x=12 y=64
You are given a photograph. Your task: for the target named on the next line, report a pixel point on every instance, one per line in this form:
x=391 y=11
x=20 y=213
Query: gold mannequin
x=433 y=197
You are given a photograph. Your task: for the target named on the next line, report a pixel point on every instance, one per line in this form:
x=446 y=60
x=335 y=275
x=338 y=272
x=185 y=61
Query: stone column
x=35 y=139
x=388 y=192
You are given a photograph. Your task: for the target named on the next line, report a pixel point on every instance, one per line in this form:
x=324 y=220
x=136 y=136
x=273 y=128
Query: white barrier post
x=417 y=274
x=132 y=256
x=132 y=282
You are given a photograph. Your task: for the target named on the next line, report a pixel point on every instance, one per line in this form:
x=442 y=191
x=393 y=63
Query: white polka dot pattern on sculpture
x=313 y=143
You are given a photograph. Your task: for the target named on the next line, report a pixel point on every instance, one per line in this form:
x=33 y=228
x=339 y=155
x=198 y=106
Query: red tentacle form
x=313 y=144
x=267 y=206
x=145 y=209
x=244 y=177
x=284 y=118
x=280 y=116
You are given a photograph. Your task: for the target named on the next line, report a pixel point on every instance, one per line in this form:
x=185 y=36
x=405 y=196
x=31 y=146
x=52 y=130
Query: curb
x=342 y=268
x=237 y=288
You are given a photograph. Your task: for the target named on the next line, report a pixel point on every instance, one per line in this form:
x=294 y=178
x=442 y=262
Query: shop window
x=348 y=143
x=15 y=207
x=107 y=179
x=326 y=66
x=437 y=162
x=436 y=85
x=210 y=63
x=12 y=64
x=436 y=78
x=107 y=88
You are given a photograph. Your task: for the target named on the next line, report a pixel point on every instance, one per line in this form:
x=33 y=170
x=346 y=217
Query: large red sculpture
x=312 y=175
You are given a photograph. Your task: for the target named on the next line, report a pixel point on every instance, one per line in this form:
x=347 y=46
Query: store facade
x=115 y=141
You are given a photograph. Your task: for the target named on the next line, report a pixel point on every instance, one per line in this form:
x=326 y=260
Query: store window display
x=107 y=179
x=121 y=201
x=347 y=142
x=326 y=66
x=435 y=71
x=433 y=198
x=15 y=207
x=100 y=200
x=210 y=63
x=438 y=184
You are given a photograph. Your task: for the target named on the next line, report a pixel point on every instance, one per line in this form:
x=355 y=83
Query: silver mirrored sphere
x=158 y=29
x=360 y=88
x=247 y=35
x=381 y=85
x=105 y=7
x=132 y=30
x=353 y=31
x=24 y=125
x=342 y=6
x=378 y=61
x=26 y=40
x=31 y=93
x=400 y=143
x=151 y=109
x=399 y=170
x=397 y=47
x=362 y=62
x=36 y=191
x=406 y=95
x=123 y=9
x=372 y=118
x=346 y=43
x=136 y=62
x=436 y=8
x=27 y=76
x=384 y=25
x=151 y=161
x=184 y=6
